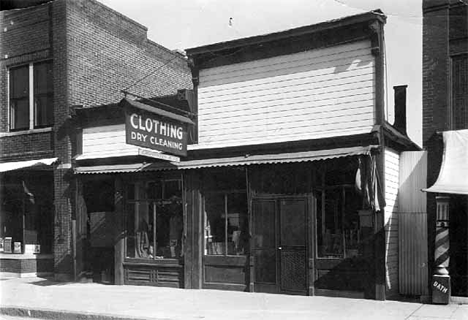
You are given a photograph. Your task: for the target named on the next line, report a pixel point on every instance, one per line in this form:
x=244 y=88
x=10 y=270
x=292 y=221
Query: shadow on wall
x=334 y=62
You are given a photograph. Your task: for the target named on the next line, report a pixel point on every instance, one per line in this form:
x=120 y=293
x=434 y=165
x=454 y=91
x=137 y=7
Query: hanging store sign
x=153 y=131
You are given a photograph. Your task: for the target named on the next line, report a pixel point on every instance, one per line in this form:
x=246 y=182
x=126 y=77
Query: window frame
x=452 y=112
x=225 y=194
x=31 y=98
x=151 y=202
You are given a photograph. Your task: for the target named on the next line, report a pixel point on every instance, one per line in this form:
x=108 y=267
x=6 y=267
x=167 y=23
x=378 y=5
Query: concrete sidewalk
x=42 y=298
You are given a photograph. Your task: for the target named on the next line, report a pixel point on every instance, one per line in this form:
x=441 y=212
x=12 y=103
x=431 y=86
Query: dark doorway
x=280 y=242
x=459 y=245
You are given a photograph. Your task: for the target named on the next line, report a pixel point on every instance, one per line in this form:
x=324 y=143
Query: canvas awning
x=124 y=168
x=276 y=158
x=454 y=170
x=10 y=166
x=228 y=161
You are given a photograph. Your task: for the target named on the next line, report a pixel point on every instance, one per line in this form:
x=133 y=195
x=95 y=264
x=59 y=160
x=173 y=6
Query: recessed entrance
x=280 y=242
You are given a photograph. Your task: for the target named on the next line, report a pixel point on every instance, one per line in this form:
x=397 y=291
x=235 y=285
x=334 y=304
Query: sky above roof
x=183 y=24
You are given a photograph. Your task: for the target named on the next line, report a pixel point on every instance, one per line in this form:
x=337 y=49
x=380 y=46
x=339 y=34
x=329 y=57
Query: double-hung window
x=31 y=96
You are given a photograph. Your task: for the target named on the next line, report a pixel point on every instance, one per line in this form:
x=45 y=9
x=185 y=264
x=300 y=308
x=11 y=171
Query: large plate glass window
x=154 y=219
x=225 y=213
x=343 y=222
x=226 y=222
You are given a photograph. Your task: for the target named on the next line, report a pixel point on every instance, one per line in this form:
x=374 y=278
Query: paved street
x=49 y=299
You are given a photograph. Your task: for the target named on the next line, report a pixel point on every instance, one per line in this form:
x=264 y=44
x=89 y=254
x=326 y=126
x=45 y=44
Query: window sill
x=26 y=256
x=167 y=262
x=23 y=132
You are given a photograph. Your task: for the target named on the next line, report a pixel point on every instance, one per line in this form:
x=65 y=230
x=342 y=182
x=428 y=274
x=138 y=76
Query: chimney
x=400 y=108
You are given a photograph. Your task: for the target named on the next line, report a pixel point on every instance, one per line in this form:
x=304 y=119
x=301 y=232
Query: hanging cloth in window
x=368 y=183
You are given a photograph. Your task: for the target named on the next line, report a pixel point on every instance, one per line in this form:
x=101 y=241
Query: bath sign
x=153 y=131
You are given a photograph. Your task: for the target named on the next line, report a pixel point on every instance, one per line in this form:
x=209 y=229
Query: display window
x=343 y=221
x=154 y=218
x=226 y=226
x=226 y=222
x=27 y=211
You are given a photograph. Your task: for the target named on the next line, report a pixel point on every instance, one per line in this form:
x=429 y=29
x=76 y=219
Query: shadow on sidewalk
x=45 y=282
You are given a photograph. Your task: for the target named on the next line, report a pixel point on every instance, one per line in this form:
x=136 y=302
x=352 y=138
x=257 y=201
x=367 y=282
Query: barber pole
x=442 y=242
x=441 y=277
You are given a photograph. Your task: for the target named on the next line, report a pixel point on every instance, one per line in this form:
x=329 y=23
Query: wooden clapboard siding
x=392 y=182
x=105 y=140
x=314 y=94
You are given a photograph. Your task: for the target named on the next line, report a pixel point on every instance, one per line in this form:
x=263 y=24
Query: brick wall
x=96 y=53
x=25 y=38
x=443 y=36
x=435 y=72
x=27 y=146
x=111 y=52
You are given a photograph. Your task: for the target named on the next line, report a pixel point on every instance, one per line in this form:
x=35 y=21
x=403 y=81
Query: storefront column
x=119 y=247
x=193 y=232
x=441 y=279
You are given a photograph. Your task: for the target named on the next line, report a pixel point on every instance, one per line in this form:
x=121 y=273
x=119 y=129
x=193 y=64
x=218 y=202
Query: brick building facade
x=55 y=56
x=445 y=109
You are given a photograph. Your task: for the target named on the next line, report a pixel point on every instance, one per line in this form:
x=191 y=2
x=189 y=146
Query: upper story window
x=31 y=96
x=459 y=92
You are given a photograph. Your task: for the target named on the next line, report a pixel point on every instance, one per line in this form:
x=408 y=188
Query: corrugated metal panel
x=413 y=177
x=413 y=267
x=413 y=254
x=318 y=93
x=392 y=178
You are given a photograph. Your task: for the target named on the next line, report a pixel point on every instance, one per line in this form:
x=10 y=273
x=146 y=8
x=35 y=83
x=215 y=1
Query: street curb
x=25 y=312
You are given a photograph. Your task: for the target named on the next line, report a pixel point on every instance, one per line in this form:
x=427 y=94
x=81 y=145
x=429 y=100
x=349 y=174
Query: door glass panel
x=292 y=247
x=265 y=244
x=293 y=223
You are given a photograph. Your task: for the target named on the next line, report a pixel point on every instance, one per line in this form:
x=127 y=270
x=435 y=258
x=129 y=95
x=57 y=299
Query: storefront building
x=445 y=124
x=293 y=180
x=130 y=226
x=288 y=182
x=55 y=56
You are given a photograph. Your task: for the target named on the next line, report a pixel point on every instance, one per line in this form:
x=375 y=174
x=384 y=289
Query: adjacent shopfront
x=295 y=224
x=27 y=217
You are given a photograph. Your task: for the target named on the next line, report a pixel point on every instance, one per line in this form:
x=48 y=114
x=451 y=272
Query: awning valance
x=124 y=168
x=228 y=161
x=453 y=175
x=276 y=158
x=10 y=166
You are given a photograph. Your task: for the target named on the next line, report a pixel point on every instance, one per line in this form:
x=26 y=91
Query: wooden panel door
x=292 y=245
x=265 y=245
x=280 y=241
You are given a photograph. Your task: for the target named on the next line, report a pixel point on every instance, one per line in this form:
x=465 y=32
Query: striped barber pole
x=442 y=240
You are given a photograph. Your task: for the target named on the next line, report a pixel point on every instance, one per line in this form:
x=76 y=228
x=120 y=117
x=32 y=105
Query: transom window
x=31 y=96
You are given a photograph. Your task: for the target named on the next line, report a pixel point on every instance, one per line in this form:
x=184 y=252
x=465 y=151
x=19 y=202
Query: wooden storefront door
x=280 y=245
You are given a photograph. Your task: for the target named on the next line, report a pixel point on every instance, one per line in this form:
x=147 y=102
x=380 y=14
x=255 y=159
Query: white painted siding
x=106 y=141
x=413 y=253
x=392 y=182
x=314 y=94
